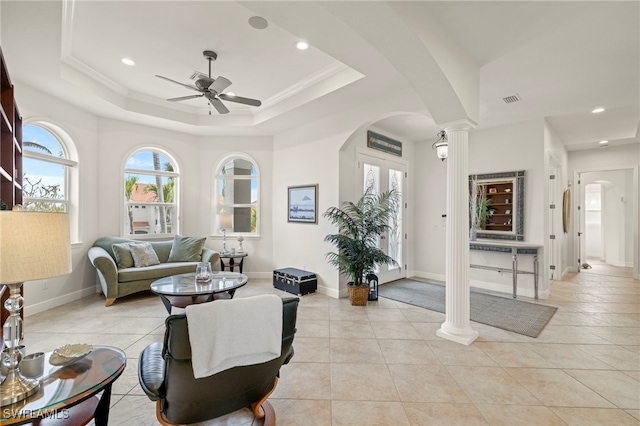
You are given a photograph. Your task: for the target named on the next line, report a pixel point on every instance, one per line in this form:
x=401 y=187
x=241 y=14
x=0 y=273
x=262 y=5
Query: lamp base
x=16 y=387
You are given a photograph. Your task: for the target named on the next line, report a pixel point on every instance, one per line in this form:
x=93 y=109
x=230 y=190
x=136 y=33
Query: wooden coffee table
x=182 y=290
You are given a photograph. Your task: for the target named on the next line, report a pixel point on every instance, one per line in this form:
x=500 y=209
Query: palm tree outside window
x=45 y=170
x=150 y=193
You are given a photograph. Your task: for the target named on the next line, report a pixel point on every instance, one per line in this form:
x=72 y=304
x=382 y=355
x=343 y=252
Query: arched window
x=45 y=170
x=236 y=197
x=151 y=194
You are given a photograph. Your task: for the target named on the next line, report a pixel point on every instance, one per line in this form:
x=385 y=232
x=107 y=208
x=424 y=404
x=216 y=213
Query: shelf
x=5 y=175
x=10 y=141
x=6 y=124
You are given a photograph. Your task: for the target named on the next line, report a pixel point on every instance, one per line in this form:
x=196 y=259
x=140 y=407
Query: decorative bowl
x=68 y=354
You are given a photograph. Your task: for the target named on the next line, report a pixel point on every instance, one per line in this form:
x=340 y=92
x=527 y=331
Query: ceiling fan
x=211 y=88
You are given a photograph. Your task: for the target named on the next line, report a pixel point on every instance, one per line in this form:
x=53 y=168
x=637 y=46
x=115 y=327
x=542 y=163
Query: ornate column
x=456 y=326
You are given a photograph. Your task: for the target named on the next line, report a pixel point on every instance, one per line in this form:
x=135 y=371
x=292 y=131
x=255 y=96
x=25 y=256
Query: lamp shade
x=33 y=246
x=225 y=221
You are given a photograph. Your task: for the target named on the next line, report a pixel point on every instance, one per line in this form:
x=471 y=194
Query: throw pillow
x=123 y=255
x=186 y=249
x=143 y=255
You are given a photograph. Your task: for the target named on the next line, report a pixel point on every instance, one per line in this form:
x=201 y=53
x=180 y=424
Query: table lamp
x=225 y=221
x=33 y=246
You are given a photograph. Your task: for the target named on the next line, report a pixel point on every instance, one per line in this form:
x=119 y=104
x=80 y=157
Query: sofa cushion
x=162 y=248
x=156 y=271
x=143 y=255
x=123 y=255
x=107 y=243
x=186 y=249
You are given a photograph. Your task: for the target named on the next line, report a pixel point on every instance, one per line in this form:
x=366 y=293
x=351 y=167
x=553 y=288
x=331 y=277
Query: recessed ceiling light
x=597 y=110
x=603 y=143
x=258 y=22
x=128 y=61
x=302 y=45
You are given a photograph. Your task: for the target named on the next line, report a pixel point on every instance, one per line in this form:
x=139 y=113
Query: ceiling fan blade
x=218 y=105
x=240 y=100
x=188 y=86
x=219 y=85
x=184 y=98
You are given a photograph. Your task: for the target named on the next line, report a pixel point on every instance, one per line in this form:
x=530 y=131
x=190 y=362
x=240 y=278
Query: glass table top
x=186 y=284
x=62 y=386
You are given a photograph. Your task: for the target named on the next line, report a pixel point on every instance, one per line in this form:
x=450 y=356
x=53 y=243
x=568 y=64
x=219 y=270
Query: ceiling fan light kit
x=212 y=88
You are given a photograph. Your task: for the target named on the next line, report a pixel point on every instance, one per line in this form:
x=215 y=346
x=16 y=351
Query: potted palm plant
x=360 y=226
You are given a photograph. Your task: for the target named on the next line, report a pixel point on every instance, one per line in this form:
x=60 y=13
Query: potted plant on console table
x=360 y=226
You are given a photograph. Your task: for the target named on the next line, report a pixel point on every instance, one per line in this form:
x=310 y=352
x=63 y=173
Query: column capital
x=462 y=124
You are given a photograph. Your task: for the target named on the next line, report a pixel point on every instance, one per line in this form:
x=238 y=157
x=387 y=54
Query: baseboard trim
x=60 y=300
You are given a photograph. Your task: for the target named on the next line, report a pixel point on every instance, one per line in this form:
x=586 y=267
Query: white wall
x=301 y=245
x=82 y=127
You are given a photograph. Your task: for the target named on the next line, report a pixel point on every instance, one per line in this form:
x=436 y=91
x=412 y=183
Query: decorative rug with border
x=524 y=318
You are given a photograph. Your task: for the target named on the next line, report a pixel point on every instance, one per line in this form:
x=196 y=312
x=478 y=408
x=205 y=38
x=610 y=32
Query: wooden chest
x=295 y=281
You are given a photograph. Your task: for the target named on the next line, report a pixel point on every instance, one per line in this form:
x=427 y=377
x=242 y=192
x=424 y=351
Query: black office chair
x=166 y=376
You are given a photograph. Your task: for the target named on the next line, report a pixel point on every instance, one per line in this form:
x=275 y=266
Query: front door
x=383 y=175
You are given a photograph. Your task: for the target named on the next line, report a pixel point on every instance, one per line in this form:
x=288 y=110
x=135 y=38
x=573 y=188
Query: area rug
x=520 y=317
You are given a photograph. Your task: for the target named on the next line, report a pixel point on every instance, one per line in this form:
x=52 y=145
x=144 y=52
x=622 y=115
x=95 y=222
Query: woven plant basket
x=358 y=295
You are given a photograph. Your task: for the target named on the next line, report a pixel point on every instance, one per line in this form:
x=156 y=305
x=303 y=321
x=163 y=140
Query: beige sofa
x=118 y=281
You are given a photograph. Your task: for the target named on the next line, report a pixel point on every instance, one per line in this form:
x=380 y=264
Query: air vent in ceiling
x=511 y=99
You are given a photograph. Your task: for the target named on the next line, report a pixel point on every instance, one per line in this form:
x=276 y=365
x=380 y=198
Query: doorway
x=382 y=174
x=606 y=227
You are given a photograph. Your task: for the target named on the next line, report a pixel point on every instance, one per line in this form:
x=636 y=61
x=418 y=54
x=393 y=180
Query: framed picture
x=303 y=204
x=507 y=212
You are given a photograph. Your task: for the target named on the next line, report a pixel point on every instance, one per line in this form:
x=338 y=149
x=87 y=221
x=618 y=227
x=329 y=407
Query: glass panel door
x=383 y=175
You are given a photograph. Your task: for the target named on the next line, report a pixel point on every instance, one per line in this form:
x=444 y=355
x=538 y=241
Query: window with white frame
x=236 y=197
x=150 y=194
x=45 y=170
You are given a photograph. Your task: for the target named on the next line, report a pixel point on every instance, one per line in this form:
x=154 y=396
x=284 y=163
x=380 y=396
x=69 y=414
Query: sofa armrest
x=107 y=271
x=211 y=256
x=151 y=371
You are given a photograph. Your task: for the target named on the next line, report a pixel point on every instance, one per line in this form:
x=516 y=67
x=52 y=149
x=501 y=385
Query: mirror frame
x=518 y=229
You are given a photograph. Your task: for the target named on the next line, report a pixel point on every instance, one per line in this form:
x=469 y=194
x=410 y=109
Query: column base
x=466 y=335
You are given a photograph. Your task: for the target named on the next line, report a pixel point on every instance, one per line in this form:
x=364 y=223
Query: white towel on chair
x=229 y=333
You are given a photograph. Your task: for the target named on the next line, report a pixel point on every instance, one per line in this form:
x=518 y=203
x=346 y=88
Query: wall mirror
x=496 y=208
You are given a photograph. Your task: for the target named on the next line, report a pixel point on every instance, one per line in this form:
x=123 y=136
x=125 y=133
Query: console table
x=514 y=248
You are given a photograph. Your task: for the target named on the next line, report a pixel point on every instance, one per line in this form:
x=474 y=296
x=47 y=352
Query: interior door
x=581 y=224
x=383 y=175
x=555 y=221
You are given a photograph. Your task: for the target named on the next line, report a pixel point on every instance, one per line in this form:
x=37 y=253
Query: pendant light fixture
x=441 y=145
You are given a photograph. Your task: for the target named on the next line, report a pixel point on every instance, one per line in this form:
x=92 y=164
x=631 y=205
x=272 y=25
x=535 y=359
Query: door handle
x=579 y=234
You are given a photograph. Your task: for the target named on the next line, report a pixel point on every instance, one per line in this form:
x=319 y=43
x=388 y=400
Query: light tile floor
x=383 y=364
